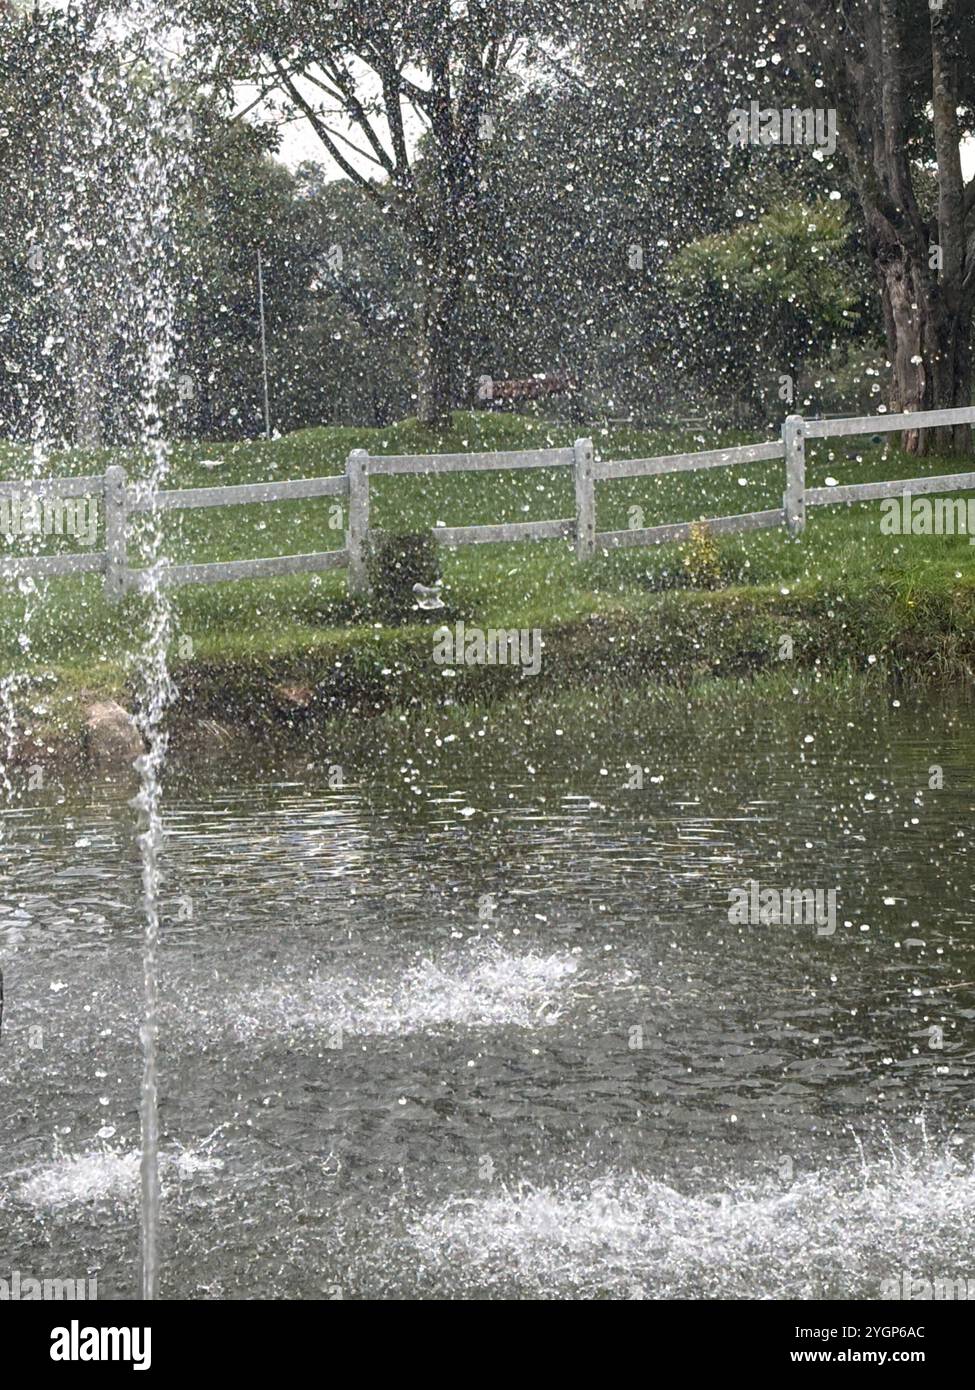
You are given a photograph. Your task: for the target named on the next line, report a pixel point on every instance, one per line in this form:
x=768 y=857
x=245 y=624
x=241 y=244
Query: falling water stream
x=137 y=125
x=150 y=238
x=150 y=843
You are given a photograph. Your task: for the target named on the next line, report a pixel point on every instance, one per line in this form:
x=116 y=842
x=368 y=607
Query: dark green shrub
x=394 y=563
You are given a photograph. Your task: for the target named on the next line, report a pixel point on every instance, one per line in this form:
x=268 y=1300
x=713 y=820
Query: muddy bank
x=359 y=674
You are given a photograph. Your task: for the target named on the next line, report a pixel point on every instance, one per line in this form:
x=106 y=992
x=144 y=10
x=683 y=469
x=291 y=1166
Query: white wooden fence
x=121 y=501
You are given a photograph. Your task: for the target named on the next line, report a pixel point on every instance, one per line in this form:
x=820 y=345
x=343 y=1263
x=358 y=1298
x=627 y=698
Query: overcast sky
x=299 y=142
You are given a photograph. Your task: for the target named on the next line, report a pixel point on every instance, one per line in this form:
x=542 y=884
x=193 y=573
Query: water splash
x=106 y=1175
x=830 y=1234
x=484 y=986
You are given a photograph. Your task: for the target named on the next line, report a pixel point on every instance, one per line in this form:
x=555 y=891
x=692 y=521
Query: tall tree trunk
x=442 y=287
x=948 y=340
x=925 y=266
x=929 y=351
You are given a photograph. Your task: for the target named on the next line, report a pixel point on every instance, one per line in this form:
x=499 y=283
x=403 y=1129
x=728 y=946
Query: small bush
x=394 y=563
x=702 y=563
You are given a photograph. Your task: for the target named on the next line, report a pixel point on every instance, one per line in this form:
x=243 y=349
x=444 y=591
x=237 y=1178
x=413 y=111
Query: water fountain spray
x=152 y=308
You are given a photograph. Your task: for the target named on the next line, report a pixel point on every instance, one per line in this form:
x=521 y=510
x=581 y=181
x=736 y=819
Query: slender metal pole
x=260 y=300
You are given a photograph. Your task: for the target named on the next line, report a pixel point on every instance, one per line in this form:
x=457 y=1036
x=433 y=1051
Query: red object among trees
x=532 y=388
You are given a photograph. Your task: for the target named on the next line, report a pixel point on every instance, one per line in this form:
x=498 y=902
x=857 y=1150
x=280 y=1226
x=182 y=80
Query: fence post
x=585 y=499
x=116 y=537
x=357 y=471
x=794 y=501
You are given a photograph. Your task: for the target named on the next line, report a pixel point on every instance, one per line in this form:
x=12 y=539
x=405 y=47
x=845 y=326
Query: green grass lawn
x=843 y=559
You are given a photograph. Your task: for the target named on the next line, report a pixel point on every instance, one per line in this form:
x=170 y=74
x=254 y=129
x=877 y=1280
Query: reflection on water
x=477 y=1023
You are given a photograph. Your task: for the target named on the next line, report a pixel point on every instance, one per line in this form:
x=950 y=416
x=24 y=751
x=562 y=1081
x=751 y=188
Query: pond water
x=475 y=1023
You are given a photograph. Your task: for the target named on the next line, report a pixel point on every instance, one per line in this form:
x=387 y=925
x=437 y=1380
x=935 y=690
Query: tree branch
x=325 y=135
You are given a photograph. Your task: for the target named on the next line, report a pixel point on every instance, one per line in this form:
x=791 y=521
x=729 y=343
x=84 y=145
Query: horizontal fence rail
x=54 y=487
x=871 y=492
x=297 y=491
x=121 y=502
x=890 y=424
x=470 y=463
x=49 y=566
x=682 y=530
x=216 y=572
x=685 y=463
x=506 y=531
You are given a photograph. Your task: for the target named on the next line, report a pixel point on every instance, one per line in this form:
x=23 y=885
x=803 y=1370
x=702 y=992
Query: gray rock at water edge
x=113 y=739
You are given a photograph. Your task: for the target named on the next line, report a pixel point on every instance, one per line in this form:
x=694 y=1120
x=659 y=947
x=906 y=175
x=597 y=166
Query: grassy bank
x=848 y=597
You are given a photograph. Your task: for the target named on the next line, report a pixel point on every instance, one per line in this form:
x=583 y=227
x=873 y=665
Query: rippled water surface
x=475 y=1023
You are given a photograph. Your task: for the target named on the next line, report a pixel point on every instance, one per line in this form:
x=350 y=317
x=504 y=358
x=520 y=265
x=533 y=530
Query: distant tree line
x=573 y=206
